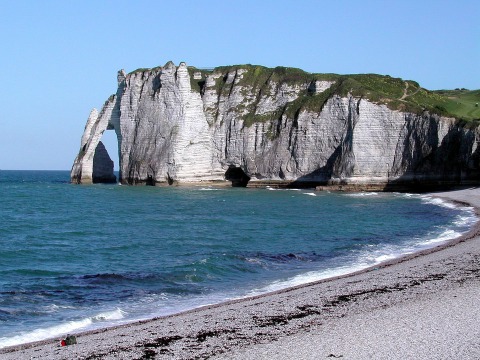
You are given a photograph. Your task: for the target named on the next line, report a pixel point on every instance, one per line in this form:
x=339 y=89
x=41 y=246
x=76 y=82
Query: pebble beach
x=422 y=306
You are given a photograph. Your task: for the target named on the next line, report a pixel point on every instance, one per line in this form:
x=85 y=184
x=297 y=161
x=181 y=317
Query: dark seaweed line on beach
x=276 y=324
x=216 y=340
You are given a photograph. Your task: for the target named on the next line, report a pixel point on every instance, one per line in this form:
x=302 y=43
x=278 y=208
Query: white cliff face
x=165 y=136
x=171 y=131
x=321 y=86
x=375 y=137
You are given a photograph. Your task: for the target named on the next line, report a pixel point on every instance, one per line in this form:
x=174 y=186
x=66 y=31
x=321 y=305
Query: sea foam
x=362 y=194
x=62 y=330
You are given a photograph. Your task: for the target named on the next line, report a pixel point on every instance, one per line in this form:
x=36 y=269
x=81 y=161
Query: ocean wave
x=448 y=234
x=305 y=278
x=116 y=314
x=261 y=257
x=468 y=217
x=277 y=189
x=426 y=199
x=465 y=220
x=55 y=308
x=358 y=262
x=105 y=276
x=469 y=214
x=362 y=194
x=62 y=329
x=113 y=277
x=371 y=256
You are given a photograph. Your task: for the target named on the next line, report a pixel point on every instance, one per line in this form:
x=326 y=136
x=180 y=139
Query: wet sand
x=423 y=306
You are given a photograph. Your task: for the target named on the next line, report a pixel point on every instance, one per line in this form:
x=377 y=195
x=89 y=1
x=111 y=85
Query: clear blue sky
x=59 y=59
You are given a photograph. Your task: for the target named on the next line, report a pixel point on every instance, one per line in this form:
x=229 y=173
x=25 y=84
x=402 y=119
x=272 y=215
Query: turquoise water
x=80 y=257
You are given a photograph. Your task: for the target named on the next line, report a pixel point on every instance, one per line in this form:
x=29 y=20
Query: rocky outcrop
x=252 y=125
x=102 y=166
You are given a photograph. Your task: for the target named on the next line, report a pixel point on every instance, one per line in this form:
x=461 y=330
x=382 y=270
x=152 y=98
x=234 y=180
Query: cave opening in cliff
x=150 y=181
x=237 y=176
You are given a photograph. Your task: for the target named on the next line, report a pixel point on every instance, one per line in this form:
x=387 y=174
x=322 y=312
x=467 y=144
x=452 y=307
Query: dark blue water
x=77 y=257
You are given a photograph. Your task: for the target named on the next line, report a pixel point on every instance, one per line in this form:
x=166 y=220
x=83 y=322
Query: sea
x=80 y=257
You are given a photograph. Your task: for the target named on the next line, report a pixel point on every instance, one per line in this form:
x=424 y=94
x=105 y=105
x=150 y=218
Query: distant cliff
x=254 y=125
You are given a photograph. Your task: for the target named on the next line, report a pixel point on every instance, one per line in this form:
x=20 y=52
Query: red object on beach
x=63 y=343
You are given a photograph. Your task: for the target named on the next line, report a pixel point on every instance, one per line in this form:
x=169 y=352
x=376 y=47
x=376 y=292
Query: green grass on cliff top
x=463 y=102
x=396 y=93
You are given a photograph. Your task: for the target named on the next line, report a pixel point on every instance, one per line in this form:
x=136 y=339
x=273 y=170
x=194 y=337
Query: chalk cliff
x=249 y=124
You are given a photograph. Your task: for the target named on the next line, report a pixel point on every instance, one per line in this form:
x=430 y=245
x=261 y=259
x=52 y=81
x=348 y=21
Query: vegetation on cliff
x=395 y=93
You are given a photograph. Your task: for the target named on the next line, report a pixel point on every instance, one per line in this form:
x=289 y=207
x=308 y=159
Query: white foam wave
x=116 y=314
x=61 y=329
x=254 y=261
x=362 y=194
x=208 y=189
x=306 y=278
x=378 y=254
x=276 y=189
x=367 y=259
x=438 y=202
x=384 y=257
x=444 y=236
x=54 y=308
x=466 y=220
x=311 y=194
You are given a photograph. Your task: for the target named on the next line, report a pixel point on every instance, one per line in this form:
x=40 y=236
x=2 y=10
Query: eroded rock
x=179 y=125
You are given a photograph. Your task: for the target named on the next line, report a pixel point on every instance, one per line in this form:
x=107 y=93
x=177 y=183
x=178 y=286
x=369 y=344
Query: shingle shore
x=424 y=305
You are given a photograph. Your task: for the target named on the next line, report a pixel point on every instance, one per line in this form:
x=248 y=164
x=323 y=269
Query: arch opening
x=110 y=141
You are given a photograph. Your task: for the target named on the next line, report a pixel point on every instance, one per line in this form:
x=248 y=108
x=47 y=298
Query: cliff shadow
x=102 y=166
x=321 y=176
x=451 y=164
x=424 y=164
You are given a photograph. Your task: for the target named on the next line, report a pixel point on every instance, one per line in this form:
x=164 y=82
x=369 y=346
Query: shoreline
x=230 y=327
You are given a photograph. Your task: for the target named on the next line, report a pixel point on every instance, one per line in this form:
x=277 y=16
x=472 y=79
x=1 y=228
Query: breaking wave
x=100 y=320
